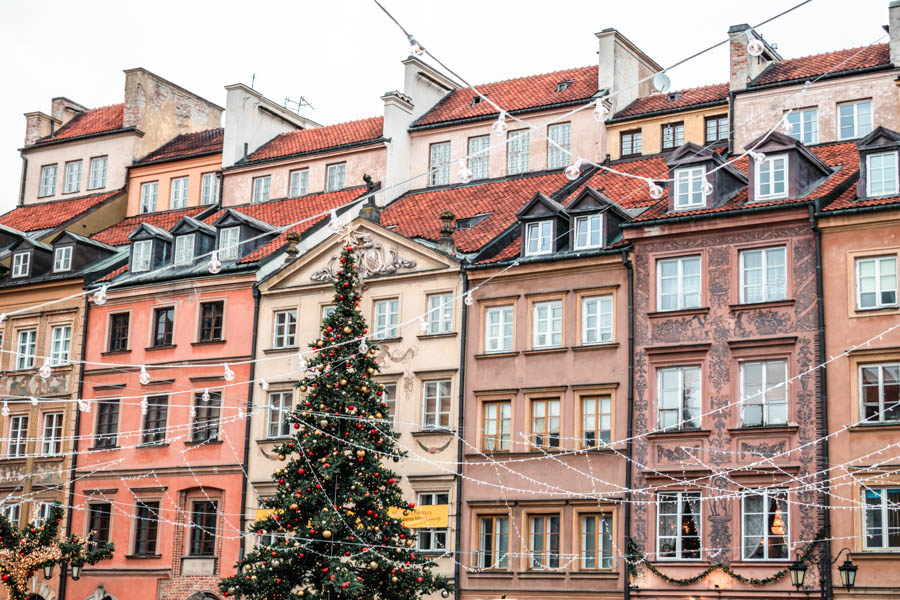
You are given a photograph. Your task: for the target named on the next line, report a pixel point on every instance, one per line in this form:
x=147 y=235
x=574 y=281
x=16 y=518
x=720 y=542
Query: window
x=517 y=151
x=689 y=188
x=596 y=320
x=545 y=423
x=386 y=314
x=876 y=282
x=563 y=86
x=672 y=135
x=430 y=539
x=716 y=129
x=630 y=143
x=678 y=526
x=51 y=442
x=763 y=275
x=543 y=542
x=62 y=259
x=327 y=310
x=881 y=174
x=203 y=528
x=493 y=542
x=11 y=512
x=163 y=325
x=98 y=522
x=48 y=180
x=155 y=418
x=184 y=249
x=882 y=519
x=60 y=344
x=179 y=194
x=211 y=317
x=880 y=392
x=437 y=405
x=497 y=425
x=206 y=422
x=764 y=393
x=18 y=436
x=21 y=264
x=538 y=238
x=596 y=420
x=41 y=512
x=547 y=324
x=440 y=313
x=142 y=255
x=596 y=542
x=148 y=196
x=118 y=332
x=335 y=177
x=73 y=177
x=25 y=349
x=229 y=243
x=389 y=397
x=558 y=147
x=804 y=125
x=679 y=398
x=98 y=173
x=439 y=164
x=261 y=188
x=766 y=521
x=285 y=329
x=299 y=183
x=588 y=232
x=479 y=150
x=209 y=188
x=145 y=528
x=498 y=329
x=854 y=119
x=107 y=423
x=279 y=425
x=678 y=283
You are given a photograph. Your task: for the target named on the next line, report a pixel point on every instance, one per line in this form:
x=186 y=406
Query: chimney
x=894 y=30
x=622 y=67
x=37 y=125
x=445 y=242
x=742 y=66
x=62 y=109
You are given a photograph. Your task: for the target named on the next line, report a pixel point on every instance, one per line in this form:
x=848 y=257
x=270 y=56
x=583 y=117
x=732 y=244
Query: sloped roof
x=320 y=139
x=628 y=192
x=89 y=122
x=520 y=94
x=49 y=215
x=673 y=101
x=117 y=235
x=850 y=59
x=187 y=145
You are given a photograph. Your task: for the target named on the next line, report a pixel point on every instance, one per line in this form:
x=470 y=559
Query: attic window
x=476 y=100
x=470 y=222
x=563 y=86
x=673 y=96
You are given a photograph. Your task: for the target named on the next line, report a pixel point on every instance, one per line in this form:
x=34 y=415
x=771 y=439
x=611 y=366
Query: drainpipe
x=221 y=177
x=24 y=174
x=731 y=97
x=825 y=559
x=244 y=478
x=71 y=504
x=460 y=422
x=628 y=432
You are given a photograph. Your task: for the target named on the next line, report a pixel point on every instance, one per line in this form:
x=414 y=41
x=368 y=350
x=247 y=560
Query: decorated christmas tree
x=333 y=530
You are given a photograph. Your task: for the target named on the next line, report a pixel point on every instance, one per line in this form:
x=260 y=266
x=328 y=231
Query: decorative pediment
x=373 y=258
x=879 y=138
x=541 y=207
x=775 y=141
x=188 y=224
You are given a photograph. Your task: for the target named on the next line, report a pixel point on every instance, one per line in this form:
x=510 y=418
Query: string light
x=100 y=295
x=334 y=223
x=84 y=405
x=215 y=265
x=229 y=374
x=423 y=324
x=468 y=300
x=465 y=173
x=706 y=188
x=5 y=410
x=2 y=318
x=415 y=48
x=193 y=411
x=301 y=363
x=600 y=111
x=656 y=191
x=144 y=405
x=205 y=395
x=264 y=384
x=363 y=348
x=34 y=401
x=758 y=157
x=573 y=172
x=45 y=370
x=755 y=47
x=786 y=127
x=500 y=127
x=144 y=377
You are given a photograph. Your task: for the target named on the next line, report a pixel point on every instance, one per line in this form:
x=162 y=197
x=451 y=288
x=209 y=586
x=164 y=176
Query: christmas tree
x=331 y=533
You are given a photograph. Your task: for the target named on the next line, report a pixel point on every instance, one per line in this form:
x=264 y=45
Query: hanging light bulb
x=415 y=48
x=2 y=318
x=786 y=127
x=600 y=111
x=144 y=377
x=215 y=265
x=706 y=188
x=334 y=223
x=34 y=401
x=45 y=371
x=229 y=374
x=465 y=173
x=573 y=172
x=5 y=410
x=301 y=363
x=363 y=348
x=100 y=296
x=193 y=411
x=84 y=405
x=499 y=127
x=656 y=191
x=144 y=406
x=205 y=396
x=264 y=384
x=758 y=156
x=755 y=46
x=468 y=299
x=423 y=324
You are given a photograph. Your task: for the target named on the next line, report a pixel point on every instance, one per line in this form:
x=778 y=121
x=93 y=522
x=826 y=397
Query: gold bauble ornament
x=303 y=388
x=365 y=389
x=321 y=407
x=445 y=594
x=378 y=415
x=370 y=371
x=282 y=457
x=343 y=382
x=360 y=453
x=410 y=543
x=372 y=351
x=319 y=343
x=348 y=330
x=357 y=309
x=395 y=579
x=326 y=534
x=373 y=565
x=294 y=506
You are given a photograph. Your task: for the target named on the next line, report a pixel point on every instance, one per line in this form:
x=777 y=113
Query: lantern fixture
x=76 y=571
x=48 y=571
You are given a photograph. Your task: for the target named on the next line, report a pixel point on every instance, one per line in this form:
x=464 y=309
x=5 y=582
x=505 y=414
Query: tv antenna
x=288 y=104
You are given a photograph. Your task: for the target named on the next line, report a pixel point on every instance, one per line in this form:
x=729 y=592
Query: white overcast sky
x=342 y=55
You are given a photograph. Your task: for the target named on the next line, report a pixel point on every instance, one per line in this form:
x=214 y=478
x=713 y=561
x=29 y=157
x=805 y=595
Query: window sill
x=69 y=193
x=679 y=562
x=202 y=443
x=436 y=336
x=152 y=445
x=875 y=554
x=207 y=342
x=114 y=352
x=542 y=574
x=755 y=429
x=594 y=575
x=430 y=432
x=101 y=448
x=160 y=347
x=390 y=340
x=678 y=434
x=489 y=573
x=600 y=346
x=877 y=311
x=143 y=556
x=554 y=350
x=498 y=354
x=891 y=426
x=761 y=305
x=686 y=312
x=284 y=350
x=273 y=440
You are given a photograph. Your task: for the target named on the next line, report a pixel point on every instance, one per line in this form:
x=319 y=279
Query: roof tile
x=117 y=235
x=320 y=138
x=187 y=145
x=805 y=67
x=47 y=215
x=683 y=99
x=89 y=122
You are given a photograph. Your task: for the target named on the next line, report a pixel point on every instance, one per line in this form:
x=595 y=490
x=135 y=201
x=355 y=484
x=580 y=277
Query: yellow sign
x=433 y=515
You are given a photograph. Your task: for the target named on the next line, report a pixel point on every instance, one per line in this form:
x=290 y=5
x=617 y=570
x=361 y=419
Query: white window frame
x=680 y=293
x=299 y=183
x=495 y=338
x=543 y=230
x=62 y=259
x=60 y=345
x=209 y=188
x=336 y=177
x=51 y=438
x=635 y=142
x=879 y=291
x=549 y=315
x=149 y=194
x=561 y=135
x=142 y=256
x=48 y=180
x=603 y=554
x=891 y=168
x=443 y=403
x=588 y=225
x=601 y=332
x=261 y=187
x=479 y=156
x=41 y=512
x=21 y=264
x=432 y=533
x=804 y=130
x=17 y=446
x=680 y=424
x=674 y=128
x=72 y=183
x=768 y=163
x=280 y=407
x=178 y=196
x=12 y=512
x=769 y=292
x=765 y=398
x=679 y=516
x=517 y=151
x=766 y=495
x=389 y=308
x=25 y=346
x=284 y=328
x=184 y=249
x=689 y=188
x=439 y=164
x=229 y=249
x=883 y=408
x=884 y=509
x=858 y=131
x=440 y=313
x=97 y=179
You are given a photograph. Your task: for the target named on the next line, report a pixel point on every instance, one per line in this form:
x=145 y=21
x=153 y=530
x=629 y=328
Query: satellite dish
x=661 y=82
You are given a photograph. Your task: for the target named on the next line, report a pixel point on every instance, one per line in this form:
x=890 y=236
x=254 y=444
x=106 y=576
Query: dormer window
x=229 y=243
x=588 y=232
x=771 y=178
x=21 y=264
x=62 y=259
x=184 y=249
x=538 y=238
x=881 y=174
x=689 y=188
x=141 y=255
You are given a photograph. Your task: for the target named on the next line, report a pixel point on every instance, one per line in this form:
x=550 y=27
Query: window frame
x=175 y=185
x=675 y=127
x=155 y=422
x=681 y=424
x=555 y=325
x=12 y=512
x=52 y=445
x=141 y=256
x=718 y=125
x=433 y=534
x=95 y=160
x=855 y=104
x=884 y=511
x=60 y=356
x=259 y=187
x=633 y=135
x=517 y=158
x=17 y=442
x=604 y=556
x=122 y=342
x=288 y=329
x=331 y=183
x=278 y=425
x=772 y=195
x=442 y=323
x=764 y=273
x=498 y=420
x=438 y=172
x=149 y=197
x=600 y=299
x=25 y=360
x=206 y=424
x=432 y=421
x=183 y=252
x=877 y=261
x=95 y=523
x=893 y=169
x=557 y=158
x=62 y=258
x=48 y=188
x=168 y=332
x=547 y=555
x=547 y=438
x=145 y=538
x=229 y=249
x=391 y=328
x=499 y=558
x=679 y=536
x=21 y=264
x=504 y=310
x=695 y=198
x=883 y=408
x=764 y=402
x=209 y=192
x=542 y=236
x=76 y=187
x=766 y=494
x=479 y=159
x=598 y=417
x=589 y=219
x=801 y=124
x=679 y=277
x=106 y=427
x=302 y=176
x=211 y=328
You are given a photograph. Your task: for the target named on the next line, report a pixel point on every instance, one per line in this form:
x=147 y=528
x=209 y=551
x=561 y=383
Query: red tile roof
x=805 y=67
x=320 y=138
x=48 y=215
x=683 y=99
x=89 y=122
x=512 y=95
x=187 y=145
x=113 y=274
x=415 y=214
x=628 y=192
x=512 y=250
x=117 y=235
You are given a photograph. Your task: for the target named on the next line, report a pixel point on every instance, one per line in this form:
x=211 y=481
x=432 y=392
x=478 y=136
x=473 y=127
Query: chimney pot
x=445 y=242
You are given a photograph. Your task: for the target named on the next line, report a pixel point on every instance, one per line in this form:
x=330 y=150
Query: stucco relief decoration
x=372 y=259
x=44 y=473
x=29 y=385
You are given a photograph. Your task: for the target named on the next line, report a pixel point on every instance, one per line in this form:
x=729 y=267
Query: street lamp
x=48 y=571
x=847 y=570
x=76 y=571
x=797 y=571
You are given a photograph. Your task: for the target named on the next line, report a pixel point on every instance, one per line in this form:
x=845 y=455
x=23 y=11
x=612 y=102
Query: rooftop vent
x=673 y=96
x=563 y=86
x=476 y=100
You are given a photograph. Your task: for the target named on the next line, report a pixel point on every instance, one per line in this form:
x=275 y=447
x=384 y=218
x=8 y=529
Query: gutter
x=24 y=174
x=856 y=210
x=460 y=423
x=245 y=480
x=731 y=127
x=53 y=142
x=546 y=258
x=628 y=432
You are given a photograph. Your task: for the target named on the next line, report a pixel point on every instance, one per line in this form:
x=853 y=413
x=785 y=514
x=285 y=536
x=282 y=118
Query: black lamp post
x=847 y=570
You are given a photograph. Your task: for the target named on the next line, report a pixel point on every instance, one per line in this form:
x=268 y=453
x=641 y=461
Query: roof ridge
x=310 y=129
x=807 y=56
x=528 y=76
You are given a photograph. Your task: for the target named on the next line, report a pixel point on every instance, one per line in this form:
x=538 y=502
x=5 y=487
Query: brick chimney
x=894 y=30
x=445 y=242
x=743 y=67
x=62 y=110
x=37 y=126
